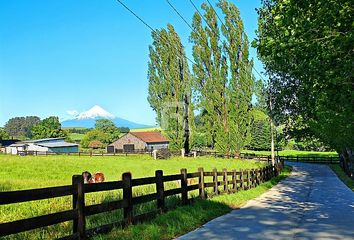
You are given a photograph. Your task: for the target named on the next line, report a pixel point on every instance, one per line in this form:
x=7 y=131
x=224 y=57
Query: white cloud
x=72 y=112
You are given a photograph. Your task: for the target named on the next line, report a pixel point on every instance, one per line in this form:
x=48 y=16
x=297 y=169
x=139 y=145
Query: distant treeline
x=86 y=130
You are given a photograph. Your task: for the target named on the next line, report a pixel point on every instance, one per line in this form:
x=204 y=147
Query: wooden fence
x=267 y=158
x=91 y=154
x=311 y=159
x=229 y=181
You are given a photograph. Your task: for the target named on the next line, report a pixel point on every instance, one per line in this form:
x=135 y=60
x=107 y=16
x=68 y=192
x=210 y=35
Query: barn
x=54 y=145
x=143 y=141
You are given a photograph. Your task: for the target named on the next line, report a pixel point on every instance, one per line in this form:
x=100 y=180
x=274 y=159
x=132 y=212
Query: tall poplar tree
x=223 y=77
x=170 y=89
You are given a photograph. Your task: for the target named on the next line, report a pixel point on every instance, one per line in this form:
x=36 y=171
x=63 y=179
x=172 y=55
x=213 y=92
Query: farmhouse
x=139 y=141
x=54 y=145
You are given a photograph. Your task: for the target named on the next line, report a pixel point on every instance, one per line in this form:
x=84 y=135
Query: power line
x=179 y=14
x=243 y=69
x=140 y=19
x=153 y=30
x=215 y=12
x=242 y=31
x=200 y=14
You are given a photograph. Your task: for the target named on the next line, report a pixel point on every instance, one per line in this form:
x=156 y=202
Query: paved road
x=312 y=203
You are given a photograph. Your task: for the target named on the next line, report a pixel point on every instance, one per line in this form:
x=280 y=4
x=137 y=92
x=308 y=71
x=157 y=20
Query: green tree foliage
x=260 y=90
x=260 y=131
x=20 y=127
x=223 y=77
x=78 y=130
x=108 y=127
x=3 y=134
x=170 y=87
x=48 y=128
x=105 y=132
x=95 y=135
x=124 y=129
x=307 y=48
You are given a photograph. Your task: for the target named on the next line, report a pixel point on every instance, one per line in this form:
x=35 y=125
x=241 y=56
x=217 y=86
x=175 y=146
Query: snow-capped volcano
x=95 y=112
x=87 y=119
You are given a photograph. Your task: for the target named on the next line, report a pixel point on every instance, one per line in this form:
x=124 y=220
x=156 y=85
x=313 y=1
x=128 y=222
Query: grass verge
x=186 y=218
x=342 y=176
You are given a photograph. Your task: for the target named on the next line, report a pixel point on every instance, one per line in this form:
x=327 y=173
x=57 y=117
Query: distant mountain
x=88 y=118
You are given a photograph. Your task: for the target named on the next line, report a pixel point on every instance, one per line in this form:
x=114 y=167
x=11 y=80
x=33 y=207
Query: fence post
x=234 y=180
x=260 y=175
x=201 y=183
x=253 y=174
x=248 y=179
x=128 y=197
x=215 y=181
x=226 y=182
x=242 y=180
x=184 y=186
x=160 y=190
x=263 y=174
x=79 y=224
x=264 y=178
x=269 y=172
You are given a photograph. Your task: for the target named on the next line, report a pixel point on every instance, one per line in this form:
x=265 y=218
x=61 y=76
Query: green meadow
x=26 y=172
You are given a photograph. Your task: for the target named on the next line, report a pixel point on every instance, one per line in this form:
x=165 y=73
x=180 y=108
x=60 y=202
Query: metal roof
x=18 y=145
x=43 y=140
x=57 y=144
x=150 y=137
x=5 y=143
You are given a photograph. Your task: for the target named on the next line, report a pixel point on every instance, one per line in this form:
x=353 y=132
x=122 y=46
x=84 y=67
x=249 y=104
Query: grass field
x=148 y=129
x=76 y=136
x=43 y=171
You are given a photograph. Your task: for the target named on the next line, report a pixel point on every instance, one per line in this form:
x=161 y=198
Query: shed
x=143 y=141
x=55 y=145
x=6 y=143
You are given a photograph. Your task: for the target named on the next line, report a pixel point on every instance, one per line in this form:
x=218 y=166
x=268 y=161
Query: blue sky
x=63 y=55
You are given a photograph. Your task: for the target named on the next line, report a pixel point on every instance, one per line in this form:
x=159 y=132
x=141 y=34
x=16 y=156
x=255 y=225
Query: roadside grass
x=295 y=153
x=26 y=172
x=342 y=176
x=183 y=219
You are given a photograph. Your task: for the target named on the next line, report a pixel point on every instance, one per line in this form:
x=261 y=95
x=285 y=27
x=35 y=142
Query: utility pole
x=271 y=127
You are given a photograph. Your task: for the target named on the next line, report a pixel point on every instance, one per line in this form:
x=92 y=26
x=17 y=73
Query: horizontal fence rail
x=311 y=159
x=223 y=182
x=91 y=154
x=247 y=156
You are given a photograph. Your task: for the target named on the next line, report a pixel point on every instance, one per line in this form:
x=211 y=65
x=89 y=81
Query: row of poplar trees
x=217 y=87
